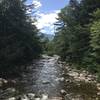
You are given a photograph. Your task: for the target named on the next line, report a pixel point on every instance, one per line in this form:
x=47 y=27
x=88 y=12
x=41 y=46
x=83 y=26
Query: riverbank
x=51 y=79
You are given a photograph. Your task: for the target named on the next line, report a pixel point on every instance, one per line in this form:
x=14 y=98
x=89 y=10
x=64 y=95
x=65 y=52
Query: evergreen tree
x=87 y=7
x=95 y=37
x=19 y=41
x=73 y=32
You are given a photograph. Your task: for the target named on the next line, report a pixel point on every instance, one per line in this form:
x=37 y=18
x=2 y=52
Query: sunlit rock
x=5 y=81
x=74 y=74
x=63 y=92
x=37 y=99
x=67 y=80
x=61 y=79
x=12 y=98
x=98 y=93
x=98 y=86
x=97 y=98
x=24 y=97
x=45 y=82
x=44 y=97
x=11 y=90
x=31 y=95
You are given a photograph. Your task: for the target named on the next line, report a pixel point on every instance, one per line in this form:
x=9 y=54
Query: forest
x=67 y=61
x=77 y=36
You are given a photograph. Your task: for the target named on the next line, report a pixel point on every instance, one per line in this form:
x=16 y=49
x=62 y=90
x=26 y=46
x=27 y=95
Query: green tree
x=19 y=41
x=72 y=37
x=95 y=37
x=87 y=7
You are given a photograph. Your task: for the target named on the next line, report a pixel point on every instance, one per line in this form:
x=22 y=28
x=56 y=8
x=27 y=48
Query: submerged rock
x=45 y=82
x=60 y=79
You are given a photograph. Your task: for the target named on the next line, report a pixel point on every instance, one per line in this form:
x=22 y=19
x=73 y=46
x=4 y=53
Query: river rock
x=98 y=93
x=63 y=92
x=12 y=98
x=98 y=86
x=11 y=90
x=68 y=81
x=24 y=97
x=31 y=96
x=61 y=79
x=44 y=97
x=37 y=99
x=13 y=81
x=45 y=82
x=3 y=81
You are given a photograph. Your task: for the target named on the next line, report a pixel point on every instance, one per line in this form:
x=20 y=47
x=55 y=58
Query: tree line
x=19 y=37
x=77 y=37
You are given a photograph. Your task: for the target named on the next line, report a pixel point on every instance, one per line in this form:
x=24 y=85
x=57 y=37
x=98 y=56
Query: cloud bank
x=46 y=21
x=37 y=4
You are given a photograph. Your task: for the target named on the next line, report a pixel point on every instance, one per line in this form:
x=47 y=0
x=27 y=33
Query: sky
x=47 y=11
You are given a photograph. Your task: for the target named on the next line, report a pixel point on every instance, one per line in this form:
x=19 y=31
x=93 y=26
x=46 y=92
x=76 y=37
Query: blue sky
x=51 y=5
x=47 y=11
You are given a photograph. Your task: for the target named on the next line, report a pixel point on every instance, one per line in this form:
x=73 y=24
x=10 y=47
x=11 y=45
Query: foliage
x=19 y=41
x=95 y=37
x=77 y=37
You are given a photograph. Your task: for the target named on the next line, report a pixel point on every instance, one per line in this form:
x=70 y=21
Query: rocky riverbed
x=51 y=79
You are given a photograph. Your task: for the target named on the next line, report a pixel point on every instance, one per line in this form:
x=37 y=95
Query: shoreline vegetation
x=75 y=46
x=78 y=76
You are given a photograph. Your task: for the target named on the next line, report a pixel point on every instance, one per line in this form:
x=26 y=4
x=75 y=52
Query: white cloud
x=37 y=3
x=46 y=21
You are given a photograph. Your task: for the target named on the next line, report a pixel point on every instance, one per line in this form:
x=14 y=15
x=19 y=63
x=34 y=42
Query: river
x=47 y=76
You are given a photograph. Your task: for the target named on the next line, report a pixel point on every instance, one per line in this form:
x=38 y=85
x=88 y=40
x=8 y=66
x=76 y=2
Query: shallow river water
x=47 y=76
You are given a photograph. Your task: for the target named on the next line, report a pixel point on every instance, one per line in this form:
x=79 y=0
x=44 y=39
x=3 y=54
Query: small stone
x=13 y=81
x=97 y=98
x=44 y=97
x=67 y=80
x=11 y=90
x=61 y=79
x=12 y=98
x=45 y=82
x=37 y=99
x=98 y=86
x=98 y=93
x=63 y=92
x=31 y=95
x=5 y=81
x=24 y=98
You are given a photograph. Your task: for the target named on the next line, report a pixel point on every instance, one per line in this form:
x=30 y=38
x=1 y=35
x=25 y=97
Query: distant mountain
x=49 y=36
